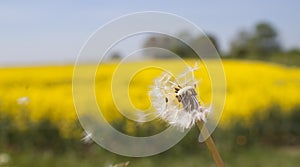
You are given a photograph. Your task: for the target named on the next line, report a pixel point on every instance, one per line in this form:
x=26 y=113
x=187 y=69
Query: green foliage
x=180 y=48
x=240 y=145
x=258 y=43
x=43 y=135
x=290 y=58
x=274 y=128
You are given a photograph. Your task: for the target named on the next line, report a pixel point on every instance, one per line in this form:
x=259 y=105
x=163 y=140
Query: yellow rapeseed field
x=38 y=93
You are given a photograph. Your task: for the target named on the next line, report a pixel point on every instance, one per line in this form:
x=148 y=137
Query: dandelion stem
x=211 y=145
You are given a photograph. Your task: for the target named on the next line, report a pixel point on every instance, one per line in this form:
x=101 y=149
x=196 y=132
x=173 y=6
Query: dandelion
x=175 y=101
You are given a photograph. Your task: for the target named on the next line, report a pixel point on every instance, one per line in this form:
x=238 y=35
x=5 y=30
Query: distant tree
x=151 y=42
x=179 y=47
x=183 y=50
x=214 y=41
x=240 y=45
x=259 y=43
x=115 y=56
x=206 y=41
x=159 y=41
x=265 y=39
x=165 y=42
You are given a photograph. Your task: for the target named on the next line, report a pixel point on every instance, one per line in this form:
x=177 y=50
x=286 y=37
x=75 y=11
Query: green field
x=257 y=156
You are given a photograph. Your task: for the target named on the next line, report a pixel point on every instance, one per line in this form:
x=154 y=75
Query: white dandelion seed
x=23 y=100
x=124 y=164
x=175 y=100
x=87 y=139
x=4 y=158
x=140 y=116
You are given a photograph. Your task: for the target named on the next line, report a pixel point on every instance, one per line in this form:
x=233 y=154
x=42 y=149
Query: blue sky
x=54 y=31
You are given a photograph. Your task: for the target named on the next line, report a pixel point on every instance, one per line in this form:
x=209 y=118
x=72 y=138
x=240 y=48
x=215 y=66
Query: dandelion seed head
x=175 y=99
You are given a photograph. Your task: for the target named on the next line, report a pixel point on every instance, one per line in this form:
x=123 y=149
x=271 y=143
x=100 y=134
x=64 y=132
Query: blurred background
x=259 y=43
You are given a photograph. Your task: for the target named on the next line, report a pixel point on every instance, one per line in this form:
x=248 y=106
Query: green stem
x=211 y=145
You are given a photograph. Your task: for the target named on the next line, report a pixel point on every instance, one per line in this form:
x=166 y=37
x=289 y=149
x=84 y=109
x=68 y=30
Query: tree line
x=261 y=42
